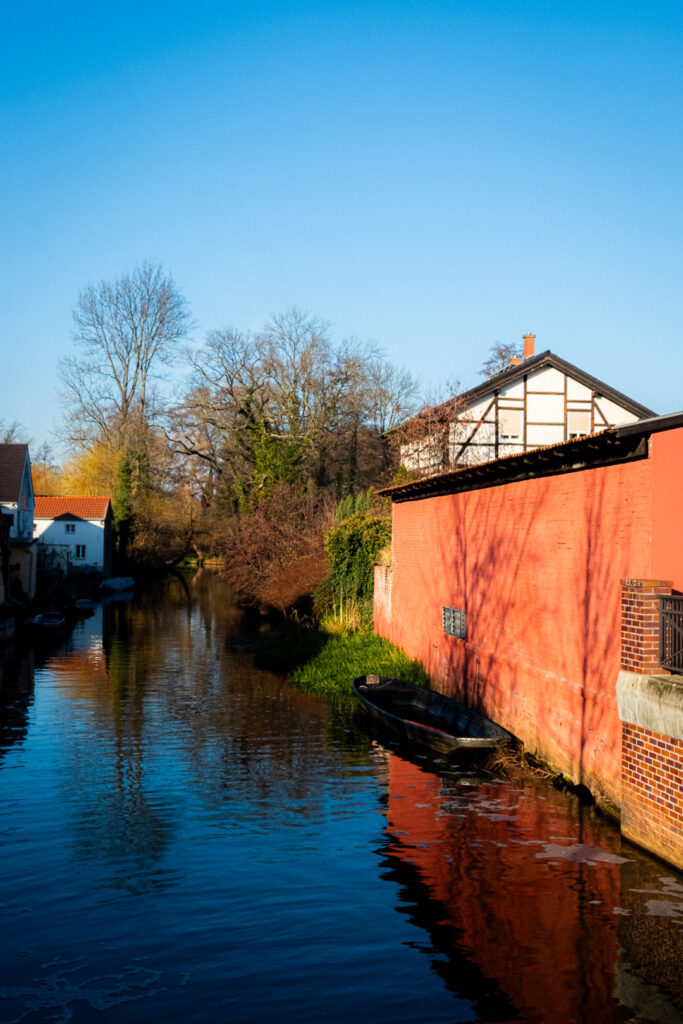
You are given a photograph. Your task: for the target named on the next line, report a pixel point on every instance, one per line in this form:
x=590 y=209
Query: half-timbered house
x=538 y=400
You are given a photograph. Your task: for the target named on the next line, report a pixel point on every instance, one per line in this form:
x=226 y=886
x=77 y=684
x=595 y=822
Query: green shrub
x=352 y=548
x=350 y=504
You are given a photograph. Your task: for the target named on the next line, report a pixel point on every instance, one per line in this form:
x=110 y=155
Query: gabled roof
x=12 y=462
x=53 y=507
x=548 y=358
x=542 y=360
x=517 y=373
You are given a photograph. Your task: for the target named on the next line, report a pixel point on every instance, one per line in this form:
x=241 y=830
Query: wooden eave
x=606 y=448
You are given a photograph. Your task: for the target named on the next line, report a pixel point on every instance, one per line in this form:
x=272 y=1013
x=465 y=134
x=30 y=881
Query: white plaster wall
x=546 y=379
x=577 y=390
x=472 y=454
x=515 y=390
x=613 y=413
x=544 y=435
x=89 y=532
x=545 y=409
x=475 y=411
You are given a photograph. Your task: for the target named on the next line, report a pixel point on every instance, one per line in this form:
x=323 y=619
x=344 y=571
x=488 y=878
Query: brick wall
x=652 y=791
x=650 y=705
x=640 y=624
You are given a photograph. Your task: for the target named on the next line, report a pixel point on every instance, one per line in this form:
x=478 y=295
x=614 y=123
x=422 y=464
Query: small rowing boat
x=429 y=718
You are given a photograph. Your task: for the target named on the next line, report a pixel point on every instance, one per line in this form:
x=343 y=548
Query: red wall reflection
x=540 y=926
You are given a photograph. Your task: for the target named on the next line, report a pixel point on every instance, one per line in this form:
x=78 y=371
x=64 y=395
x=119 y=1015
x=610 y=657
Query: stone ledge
x=652 y=702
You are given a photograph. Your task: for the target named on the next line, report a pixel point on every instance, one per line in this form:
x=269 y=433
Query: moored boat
x=47 y=622
x=84 y=607
x=428 y=718
x=118 y=584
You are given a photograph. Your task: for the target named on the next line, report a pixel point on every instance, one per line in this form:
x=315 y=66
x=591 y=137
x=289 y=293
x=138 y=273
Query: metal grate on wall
x=671 y=632
x=454 y=622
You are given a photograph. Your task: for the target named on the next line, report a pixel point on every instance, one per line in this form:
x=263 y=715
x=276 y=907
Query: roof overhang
x=614 y=445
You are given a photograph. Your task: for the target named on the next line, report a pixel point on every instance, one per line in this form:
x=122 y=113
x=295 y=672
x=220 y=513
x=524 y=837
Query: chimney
x=529 y=340
x=515 y=361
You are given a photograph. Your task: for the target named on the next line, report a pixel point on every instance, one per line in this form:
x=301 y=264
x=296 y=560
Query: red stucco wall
x=537 y=566
x=666 y=465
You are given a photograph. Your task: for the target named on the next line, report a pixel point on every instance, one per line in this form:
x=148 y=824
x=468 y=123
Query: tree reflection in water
x=165 y=802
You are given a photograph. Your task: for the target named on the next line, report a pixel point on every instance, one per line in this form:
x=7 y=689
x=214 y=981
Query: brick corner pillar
x=382 y=600
x=640 y=624
x=650 y=705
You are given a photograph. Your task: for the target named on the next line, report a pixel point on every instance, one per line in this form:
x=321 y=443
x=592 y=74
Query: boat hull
x=428 y=718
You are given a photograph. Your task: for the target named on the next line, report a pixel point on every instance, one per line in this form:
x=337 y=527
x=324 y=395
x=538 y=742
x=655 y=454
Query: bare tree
x=124 y=329
x=499 y=358
x=12 y=433
x=288 y=404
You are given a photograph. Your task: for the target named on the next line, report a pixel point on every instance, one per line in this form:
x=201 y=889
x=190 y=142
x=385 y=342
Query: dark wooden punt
x=47 y=622
x=428 y=718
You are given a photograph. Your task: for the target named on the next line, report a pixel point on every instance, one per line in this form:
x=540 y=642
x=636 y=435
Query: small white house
x=74 y=531
x=538 y=400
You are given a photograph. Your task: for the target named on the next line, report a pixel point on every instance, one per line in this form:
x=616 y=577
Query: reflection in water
x=187 y=838
x=541 y=897
x=16 y=694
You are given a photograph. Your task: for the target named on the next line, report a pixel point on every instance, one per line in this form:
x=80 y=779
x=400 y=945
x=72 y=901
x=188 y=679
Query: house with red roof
x=17 y=549
x=74 y=531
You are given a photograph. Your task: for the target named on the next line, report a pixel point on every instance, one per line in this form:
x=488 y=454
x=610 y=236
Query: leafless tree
x=288 y=403
x=13 y=433
x=499 y=358
x=124 y=329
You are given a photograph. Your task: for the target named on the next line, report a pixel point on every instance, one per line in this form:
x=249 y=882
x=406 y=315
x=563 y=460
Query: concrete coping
x=651 y=702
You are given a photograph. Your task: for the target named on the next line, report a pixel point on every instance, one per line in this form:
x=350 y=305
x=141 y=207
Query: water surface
x=186 y=838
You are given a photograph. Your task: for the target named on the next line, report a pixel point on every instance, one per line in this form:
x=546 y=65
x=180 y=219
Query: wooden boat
x=118 y=584
x=84 y=607
x=47 y=622
x=428 y=718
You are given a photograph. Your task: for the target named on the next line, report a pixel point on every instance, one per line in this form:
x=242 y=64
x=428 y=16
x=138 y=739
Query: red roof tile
x=71 y=505
x=12 y=459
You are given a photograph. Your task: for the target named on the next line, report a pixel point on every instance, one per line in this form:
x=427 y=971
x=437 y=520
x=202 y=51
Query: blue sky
x=434 y=177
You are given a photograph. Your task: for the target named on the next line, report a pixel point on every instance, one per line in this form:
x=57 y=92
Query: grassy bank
x=327 y=663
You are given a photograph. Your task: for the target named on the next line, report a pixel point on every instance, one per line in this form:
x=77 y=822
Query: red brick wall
x=640 y=624
x=652 y=799
x=537 y=566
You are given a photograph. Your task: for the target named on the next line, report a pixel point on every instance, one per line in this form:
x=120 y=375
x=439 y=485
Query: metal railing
x=671 y=633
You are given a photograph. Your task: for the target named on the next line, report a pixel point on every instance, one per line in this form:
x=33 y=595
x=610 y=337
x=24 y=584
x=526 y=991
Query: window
x=510 y=424
x=70 y=528
x=80 y=551
x=578 y=422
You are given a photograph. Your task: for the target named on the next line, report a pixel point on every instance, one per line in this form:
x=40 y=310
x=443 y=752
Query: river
x=187 y=838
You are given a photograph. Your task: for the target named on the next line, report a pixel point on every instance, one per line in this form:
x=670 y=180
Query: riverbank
x=319 y=661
